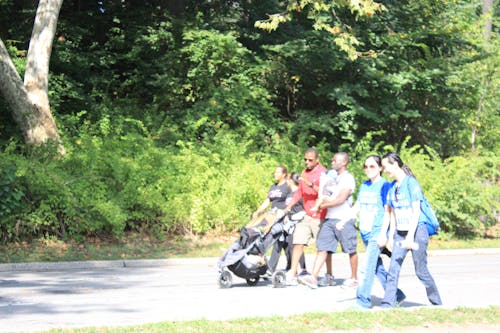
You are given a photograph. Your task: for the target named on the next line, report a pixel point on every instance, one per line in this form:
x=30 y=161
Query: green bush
x=115 y=179
x=463 y=190
x=10 y=197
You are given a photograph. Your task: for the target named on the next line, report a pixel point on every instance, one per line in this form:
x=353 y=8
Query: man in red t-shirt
x=307 y=230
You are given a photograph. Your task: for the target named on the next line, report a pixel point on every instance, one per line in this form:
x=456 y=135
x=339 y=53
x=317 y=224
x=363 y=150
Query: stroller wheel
x=253 y=281
x=279 y=279
x=225 y=279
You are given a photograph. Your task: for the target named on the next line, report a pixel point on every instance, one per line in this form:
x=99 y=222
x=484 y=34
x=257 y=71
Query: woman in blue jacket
x=408 y=226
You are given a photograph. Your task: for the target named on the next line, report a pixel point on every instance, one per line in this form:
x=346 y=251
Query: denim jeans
x=420 y=263
x=374 y=267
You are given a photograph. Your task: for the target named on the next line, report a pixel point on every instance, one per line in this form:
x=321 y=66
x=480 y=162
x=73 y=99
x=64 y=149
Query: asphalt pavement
x=41 y=296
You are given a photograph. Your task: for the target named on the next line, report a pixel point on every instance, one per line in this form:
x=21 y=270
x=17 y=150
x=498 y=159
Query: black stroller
x=246 y=257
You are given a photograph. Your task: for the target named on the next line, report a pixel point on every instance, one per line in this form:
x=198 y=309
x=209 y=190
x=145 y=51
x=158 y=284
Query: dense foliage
x=175 y=113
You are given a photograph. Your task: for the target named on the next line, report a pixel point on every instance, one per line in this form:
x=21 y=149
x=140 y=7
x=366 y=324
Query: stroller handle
x=298 y=216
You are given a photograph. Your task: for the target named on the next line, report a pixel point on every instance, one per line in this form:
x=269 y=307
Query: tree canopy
x=132 y=82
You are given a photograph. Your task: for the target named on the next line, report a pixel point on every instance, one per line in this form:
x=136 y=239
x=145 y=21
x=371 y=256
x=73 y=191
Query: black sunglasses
x=308 y=159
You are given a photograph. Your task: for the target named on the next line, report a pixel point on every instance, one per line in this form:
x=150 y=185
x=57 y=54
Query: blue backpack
x=431 y=221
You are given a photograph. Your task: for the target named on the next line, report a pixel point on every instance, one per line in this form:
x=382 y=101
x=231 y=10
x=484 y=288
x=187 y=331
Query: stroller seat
x=246 y=256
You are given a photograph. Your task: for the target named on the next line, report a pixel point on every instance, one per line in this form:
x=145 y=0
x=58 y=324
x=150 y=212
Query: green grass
x=396 y=319
x=136 y=246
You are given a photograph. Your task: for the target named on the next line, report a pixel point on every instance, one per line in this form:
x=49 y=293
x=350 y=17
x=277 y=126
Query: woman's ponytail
x=408 y=171
x=394 y=158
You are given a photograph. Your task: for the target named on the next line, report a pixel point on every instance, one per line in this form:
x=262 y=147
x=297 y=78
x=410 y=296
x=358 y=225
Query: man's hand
x=340 y=225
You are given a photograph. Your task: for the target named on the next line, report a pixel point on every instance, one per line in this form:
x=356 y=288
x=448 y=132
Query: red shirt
x=307 y=193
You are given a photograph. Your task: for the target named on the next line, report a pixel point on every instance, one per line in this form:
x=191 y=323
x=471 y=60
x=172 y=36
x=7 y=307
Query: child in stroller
x=246 y=257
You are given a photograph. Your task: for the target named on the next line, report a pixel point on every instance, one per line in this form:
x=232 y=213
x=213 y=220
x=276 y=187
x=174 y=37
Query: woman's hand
x=381 y=240
x=409 y=243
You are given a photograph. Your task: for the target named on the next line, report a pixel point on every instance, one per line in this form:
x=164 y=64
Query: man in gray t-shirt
x=338 y=225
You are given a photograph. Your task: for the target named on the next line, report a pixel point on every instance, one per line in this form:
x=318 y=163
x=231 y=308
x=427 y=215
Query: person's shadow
x=376 y=301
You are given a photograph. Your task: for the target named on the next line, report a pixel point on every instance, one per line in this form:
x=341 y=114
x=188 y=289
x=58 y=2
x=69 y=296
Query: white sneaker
x=350 y=283
x=309 y=281
x=291 y=280
x=326 y=281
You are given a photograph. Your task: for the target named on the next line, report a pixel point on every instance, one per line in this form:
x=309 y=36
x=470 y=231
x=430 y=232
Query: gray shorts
x=329 y=237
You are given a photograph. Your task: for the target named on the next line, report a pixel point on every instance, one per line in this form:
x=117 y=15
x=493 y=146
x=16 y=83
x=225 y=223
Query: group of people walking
x=388 y=212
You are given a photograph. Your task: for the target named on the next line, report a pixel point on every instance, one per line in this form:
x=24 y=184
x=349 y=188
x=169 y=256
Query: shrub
x=113 y=180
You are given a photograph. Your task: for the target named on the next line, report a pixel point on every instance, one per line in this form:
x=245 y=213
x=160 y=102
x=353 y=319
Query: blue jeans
x=374 y=266
x=420 y=263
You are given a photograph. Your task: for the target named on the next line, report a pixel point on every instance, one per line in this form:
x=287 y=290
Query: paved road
x=43 y=296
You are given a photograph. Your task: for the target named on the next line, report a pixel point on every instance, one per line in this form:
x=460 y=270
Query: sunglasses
x=308 y=159
x=369 y=166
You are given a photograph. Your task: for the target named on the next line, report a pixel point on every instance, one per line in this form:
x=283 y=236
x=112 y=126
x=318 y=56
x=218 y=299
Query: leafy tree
x=324 y=15
x=174 y=113
x=405 y=87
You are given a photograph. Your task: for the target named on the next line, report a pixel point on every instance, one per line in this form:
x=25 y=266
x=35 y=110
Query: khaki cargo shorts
x=306 y=231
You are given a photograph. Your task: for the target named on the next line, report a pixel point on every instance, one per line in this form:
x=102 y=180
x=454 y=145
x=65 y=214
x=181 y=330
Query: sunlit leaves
x=272 y=22
x=324 y=17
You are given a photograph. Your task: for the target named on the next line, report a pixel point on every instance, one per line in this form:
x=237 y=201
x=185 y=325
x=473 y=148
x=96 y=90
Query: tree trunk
x=30 y=119
x=484 y=92
x=488 y=16
x=488 y=13
x=29 y=102
x=175 y=7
